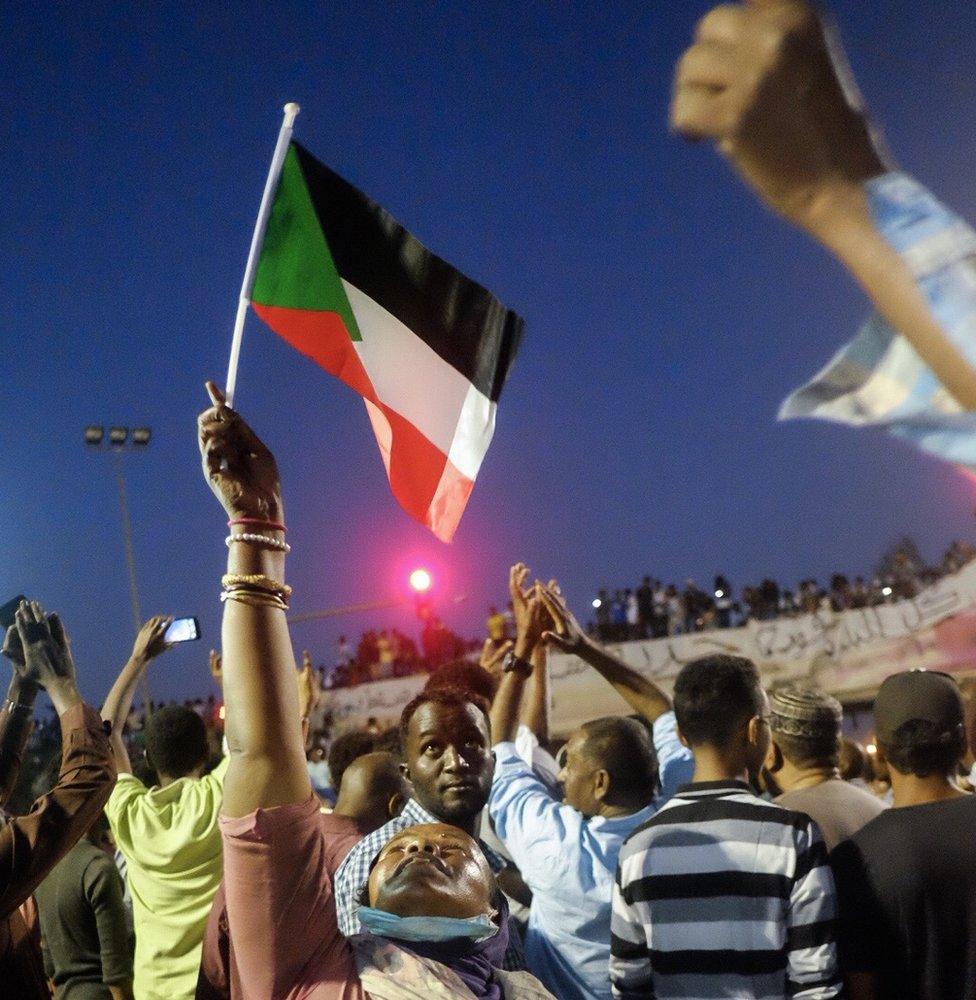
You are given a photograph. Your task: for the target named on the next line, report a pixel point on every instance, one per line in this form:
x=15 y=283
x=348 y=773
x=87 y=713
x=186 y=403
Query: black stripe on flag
x=463 y=322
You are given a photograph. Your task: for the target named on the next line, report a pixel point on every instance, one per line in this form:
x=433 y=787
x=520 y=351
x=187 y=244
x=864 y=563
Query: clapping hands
x=566 y=633
x=541 y=615
x=532 y=617
x=38 y=647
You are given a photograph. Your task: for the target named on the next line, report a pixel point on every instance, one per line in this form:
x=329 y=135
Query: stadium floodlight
x=421 y=580
x=119 y=443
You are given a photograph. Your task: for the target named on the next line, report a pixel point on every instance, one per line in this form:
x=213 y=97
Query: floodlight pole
x=130 y=558
x=130 y=561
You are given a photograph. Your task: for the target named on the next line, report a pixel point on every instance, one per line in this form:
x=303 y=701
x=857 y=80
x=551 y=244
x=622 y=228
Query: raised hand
x=518 y=576
x=309 y=689
x=216 y=666
x=768 y=82
x=531 y=616
x=240 y=469
x=41 y=654
x=20 y=690
x=565 y=633
x=640 y=692
x=150 y=641
x=492 y=655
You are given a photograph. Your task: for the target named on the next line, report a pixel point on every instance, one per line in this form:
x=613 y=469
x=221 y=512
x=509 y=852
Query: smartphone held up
x=182 y=630
x=9 y=610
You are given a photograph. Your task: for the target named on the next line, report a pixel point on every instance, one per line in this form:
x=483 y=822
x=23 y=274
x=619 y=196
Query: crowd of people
x=719 y=841
x=385 y=653
x=705 y=845
x=654 y=610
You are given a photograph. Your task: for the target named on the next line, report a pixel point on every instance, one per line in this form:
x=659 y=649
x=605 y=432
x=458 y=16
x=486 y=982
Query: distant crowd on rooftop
x=654 y=610
x=385 y=653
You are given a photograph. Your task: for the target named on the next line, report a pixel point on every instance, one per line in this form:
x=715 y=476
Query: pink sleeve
x=280 y=907
x=213 y=981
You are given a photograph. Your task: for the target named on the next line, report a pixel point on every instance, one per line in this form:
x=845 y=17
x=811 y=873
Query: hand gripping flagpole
x=277 y=161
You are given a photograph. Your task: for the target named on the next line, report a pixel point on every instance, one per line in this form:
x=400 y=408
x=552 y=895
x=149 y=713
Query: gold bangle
x=255 y=599
x=255 y=581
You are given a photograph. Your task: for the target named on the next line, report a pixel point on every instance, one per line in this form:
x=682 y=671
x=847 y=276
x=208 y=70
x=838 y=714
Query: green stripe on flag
x=296 y=270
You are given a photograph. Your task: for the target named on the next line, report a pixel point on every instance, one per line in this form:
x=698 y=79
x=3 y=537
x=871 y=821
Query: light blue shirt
x=569 y=862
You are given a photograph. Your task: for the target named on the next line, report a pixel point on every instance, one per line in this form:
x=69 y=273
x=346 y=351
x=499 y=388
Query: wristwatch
x=512 y=664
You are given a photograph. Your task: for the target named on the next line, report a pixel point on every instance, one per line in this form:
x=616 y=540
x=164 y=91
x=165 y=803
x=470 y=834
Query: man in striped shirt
x=722 y=894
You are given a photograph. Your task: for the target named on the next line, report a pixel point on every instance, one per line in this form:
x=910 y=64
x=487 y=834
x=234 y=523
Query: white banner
x=847 y=653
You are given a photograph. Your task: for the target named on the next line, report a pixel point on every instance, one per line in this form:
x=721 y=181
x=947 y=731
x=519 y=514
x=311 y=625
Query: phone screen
x=183 y=630
x=8 y=610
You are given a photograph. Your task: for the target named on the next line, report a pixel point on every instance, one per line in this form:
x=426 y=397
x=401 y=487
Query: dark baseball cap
x=917 y=695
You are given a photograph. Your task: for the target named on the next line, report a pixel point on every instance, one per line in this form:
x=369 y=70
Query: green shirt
x=171 y=842
x=86 y=943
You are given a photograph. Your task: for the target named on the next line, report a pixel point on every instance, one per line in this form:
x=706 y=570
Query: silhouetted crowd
x=722 y=840
x=654 y=611
x=380 y=655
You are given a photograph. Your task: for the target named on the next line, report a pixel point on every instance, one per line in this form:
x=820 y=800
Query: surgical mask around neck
x=389 y=925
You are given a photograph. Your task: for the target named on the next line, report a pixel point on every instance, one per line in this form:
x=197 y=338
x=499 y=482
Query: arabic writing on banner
x=847 y=653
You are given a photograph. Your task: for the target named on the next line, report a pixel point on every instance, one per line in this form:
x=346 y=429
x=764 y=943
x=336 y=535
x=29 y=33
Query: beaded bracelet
x=266 y=540
x=274 y=525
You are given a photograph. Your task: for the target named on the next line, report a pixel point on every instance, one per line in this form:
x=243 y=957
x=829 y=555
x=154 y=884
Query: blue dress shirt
x=569 y=862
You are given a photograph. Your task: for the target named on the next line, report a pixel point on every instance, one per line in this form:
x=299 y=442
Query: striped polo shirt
x=722 y=894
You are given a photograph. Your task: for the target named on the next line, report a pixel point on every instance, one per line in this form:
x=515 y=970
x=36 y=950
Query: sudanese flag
x=427 y=348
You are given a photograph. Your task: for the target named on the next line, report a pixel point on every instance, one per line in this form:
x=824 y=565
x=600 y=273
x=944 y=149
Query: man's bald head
x=373 y=790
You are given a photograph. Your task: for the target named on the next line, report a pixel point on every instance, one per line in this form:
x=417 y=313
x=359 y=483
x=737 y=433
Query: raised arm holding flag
x=768 y=81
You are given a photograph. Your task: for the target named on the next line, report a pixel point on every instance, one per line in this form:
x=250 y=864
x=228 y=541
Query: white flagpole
x=277 y=161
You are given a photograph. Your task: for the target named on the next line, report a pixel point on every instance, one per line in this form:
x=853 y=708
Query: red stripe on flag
x=450 y=499
x=427 y=485
x=322 y=337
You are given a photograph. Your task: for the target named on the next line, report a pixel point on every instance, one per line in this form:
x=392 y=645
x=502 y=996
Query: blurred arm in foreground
x=769 y=83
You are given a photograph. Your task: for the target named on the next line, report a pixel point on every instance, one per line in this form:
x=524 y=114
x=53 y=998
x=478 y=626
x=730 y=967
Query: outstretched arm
x=263 y=727
x=640 y=692
x=767 y=80
x=148 y=645
x=31 y=845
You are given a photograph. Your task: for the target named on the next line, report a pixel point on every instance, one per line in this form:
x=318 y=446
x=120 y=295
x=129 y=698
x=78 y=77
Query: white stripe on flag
x=475 y=428
x=415 y=381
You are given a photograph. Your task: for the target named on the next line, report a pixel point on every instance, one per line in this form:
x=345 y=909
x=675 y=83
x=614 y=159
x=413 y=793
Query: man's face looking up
x=448 y=757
